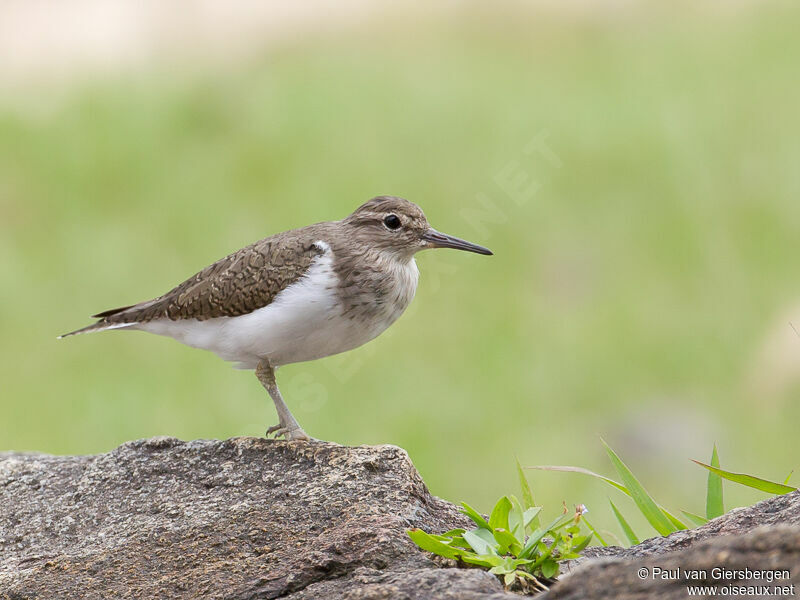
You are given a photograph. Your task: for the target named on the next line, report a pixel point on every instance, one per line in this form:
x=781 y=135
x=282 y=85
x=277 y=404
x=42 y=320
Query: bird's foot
x=295 y=433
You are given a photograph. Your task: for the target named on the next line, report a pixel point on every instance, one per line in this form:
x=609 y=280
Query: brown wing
x=235 y=285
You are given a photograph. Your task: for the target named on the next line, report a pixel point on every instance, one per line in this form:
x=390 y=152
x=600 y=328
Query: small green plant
x=512 y=543
x=663 y=521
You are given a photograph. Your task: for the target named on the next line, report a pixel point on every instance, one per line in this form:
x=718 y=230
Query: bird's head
x=396 y=225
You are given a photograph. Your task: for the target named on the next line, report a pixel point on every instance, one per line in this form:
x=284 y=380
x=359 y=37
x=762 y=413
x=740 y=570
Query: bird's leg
x=287 y=424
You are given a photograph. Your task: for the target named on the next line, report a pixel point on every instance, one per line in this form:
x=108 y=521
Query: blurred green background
x=643 y=282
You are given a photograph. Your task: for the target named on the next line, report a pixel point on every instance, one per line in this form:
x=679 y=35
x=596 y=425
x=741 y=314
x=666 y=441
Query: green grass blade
x=626 y=528
x=757 y=483
x=516 y=519
x=567 y=469
x=696 y=519
x=714 y=504
x=675 y=520
x=648 y=507
x=788 y=477
x=600 y=538
x=527 y=494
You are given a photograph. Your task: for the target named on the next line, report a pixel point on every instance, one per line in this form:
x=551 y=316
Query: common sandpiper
x=296 y=296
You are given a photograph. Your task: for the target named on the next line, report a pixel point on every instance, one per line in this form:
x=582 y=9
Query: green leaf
x=475 y=516
x=595 y=532
x=527 y=494
x=458 y=540
x=550 y=568
x=507 y=542
x=452 y=538
x=714 y=504
x=485 y=534
x=484 y=560
x=626 y=528
x=518 y=562
x=478 y=541
x=748 y=480
x=525 y=575
x=581 y=542
x=529 y=551
x=508 y=579
x=545 y=555
x=499 y=517
x=530 y=546
x=788 y=477
x=648 y=507
x=516 y=520
x=431 y=544
x=530 y=517
x=696 y=519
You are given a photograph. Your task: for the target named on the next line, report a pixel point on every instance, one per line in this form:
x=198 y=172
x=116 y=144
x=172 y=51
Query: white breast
x=303 y=322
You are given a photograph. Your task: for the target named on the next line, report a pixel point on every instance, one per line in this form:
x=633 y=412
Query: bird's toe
x=291 y=435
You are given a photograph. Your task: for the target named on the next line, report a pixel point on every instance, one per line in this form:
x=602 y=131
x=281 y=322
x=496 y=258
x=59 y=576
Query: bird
x=296 y=296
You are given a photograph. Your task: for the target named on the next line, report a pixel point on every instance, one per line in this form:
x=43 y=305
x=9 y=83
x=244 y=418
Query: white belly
x=303 y=322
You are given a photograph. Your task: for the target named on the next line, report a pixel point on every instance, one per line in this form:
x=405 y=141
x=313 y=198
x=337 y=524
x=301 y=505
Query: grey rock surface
x=250 y=518
x=771 y=554
x=780 y=510
x=763 y=536
x=241 y=519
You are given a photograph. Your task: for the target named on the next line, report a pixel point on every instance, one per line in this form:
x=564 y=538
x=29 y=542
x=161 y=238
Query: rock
x=775 y=550
x=780 y=510
x=248 y=519
x=763 y=536
x=237 y=520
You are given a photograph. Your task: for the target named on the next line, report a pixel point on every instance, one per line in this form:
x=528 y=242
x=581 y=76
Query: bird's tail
x=99 y=326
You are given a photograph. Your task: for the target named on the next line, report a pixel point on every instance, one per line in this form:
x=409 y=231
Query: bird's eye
x=392 y=222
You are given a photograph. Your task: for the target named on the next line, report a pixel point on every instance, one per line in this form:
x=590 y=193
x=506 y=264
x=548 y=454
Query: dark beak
x=436 y=239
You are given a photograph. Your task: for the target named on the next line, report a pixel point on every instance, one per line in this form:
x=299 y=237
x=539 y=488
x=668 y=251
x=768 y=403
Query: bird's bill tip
x=437 y=239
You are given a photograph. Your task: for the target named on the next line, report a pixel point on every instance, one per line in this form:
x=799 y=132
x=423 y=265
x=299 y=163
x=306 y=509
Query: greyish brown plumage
x=298 y=295
x=238 y=284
